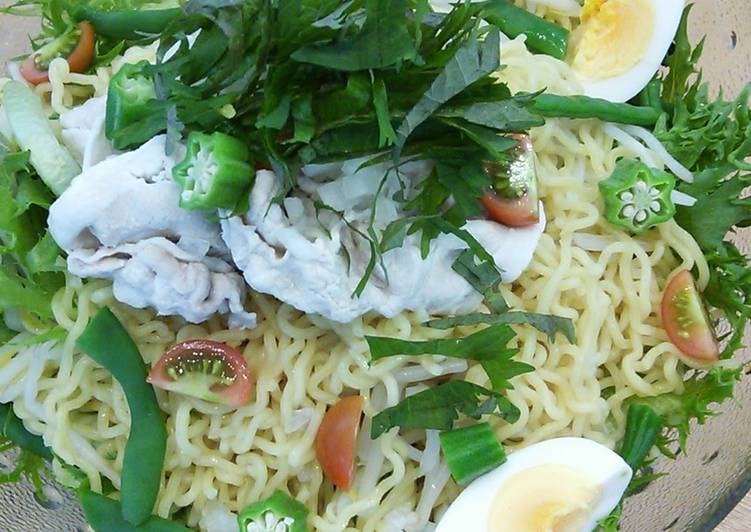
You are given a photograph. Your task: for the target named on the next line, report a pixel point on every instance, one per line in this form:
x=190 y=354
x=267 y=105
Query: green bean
x=542 y=36
x=552 y=106
x=108 y=343
x=128 y=24
x=104 y=515
x=13 y=429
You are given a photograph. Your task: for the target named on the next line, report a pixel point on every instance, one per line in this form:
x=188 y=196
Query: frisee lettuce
x=31 y=261
x=31 y=463
x=712 y=137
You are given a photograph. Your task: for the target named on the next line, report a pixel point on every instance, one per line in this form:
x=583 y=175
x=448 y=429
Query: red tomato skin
x=79 y=60
x=235 y=395
x=336 y=440
x=697 y=343
x=510 y=212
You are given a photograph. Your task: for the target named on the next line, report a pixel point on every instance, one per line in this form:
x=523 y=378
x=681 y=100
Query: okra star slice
x=215 y=173
x=278 y=513
x=128 y=100
x=637 y=197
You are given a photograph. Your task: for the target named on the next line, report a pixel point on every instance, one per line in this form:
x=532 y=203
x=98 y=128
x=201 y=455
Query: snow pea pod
x=542 y=36
x=129 y=25
x=554 y=106
x=103 y=515
x=12 y=428
x=108 y=343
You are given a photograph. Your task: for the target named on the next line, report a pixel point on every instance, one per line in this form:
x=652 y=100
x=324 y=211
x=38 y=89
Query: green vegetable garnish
x=542 y=36
x=637 y=197
x=107 y=342
x=438 y=408
x=471 y=452
x=280 y=512
x=130 y=98
x=215 y=173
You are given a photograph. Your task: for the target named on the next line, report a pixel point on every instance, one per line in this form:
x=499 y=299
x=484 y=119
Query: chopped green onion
x=643 y=426
x=471 y=452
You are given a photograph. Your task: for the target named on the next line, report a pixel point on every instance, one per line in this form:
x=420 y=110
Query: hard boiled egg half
x=560 y=485
x=620 y=44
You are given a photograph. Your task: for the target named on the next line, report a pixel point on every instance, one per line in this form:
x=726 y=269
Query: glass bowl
x=703 y=484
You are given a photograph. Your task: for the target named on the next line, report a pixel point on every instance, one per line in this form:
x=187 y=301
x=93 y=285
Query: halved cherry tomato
x=519 y=212
x=513 y=200
x=685 y=319
x=336 y=439
x=34 y=69
x=209 y=370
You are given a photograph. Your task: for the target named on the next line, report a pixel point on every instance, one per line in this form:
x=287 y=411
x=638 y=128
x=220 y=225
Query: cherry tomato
x=79 y=60
x=519 y=212
x=205 y=369
x=685 y=319
x=513 y=200
x=336 y=439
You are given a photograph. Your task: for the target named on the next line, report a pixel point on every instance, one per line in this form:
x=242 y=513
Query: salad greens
x=712 y=137
x=33 y=457
x=31 y=262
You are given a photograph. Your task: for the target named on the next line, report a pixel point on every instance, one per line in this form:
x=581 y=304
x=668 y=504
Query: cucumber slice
x=32 y=131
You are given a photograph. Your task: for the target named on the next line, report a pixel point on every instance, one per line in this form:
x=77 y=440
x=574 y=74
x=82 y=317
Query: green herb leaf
x=438 y=408
x=486 y=344
x=471 y=63
x=384 y=41
x=550 y=325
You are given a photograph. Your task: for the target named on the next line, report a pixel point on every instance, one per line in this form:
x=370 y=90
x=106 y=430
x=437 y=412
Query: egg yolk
x=544 y=498
x=613 y=37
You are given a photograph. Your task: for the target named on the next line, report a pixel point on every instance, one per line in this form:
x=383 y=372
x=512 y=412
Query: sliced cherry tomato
x=209 y=370
x=519 y=212
x=336 y=439
x=513 y=200
x=685 y=319
x=34 y=69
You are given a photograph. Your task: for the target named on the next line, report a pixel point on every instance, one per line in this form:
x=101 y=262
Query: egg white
x=471 y=510
x=622 y=88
